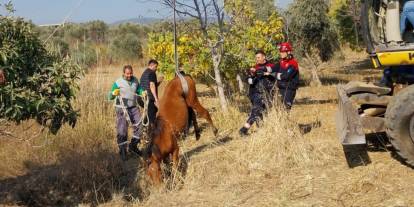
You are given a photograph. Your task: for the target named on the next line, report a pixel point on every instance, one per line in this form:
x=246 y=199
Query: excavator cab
x=366 y=108
x=386 y=43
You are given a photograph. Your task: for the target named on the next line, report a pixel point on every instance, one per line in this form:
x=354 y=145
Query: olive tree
x=311 y=32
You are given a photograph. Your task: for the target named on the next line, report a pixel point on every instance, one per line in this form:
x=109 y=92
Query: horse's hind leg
x=202 y=112
x=192 y=101
x=193 y=119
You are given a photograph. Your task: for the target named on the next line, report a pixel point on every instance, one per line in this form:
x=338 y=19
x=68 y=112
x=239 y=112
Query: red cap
x=285 y=47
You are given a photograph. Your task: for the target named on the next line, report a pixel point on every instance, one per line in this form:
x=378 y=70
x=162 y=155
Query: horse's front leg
x=176 y=158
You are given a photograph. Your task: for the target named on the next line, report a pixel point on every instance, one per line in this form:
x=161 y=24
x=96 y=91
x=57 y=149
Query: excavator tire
x=399 y=123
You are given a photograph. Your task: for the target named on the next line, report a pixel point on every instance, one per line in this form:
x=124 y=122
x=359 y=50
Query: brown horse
x=172 y=122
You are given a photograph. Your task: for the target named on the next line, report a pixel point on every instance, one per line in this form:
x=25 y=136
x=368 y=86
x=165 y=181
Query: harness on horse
x=184 y=83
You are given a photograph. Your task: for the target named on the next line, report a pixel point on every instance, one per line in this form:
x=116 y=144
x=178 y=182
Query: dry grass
x=290 y=161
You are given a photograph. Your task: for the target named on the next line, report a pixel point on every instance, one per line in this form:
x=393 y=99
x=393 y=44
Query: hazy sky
x=54 y=11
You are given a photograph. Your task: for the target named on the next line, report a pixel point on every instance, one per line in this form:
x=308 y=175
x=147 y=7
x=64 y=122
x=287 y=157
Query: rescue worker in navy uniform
x=261 y=79
x=287 y=75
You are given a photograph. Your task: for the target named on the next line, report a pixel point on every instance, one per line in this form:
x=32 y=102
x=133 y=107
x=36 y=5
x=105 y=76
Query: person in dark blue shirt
x=407 y=16
x=403 y=74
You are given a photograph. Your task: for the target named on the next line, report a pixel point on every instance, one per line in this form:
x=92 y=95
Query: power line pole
x=175 y=40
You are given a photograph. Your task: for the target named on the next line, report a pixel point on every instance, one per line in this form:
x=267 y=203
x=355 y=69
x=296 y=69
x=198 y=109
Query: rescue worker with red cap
x=287 y=75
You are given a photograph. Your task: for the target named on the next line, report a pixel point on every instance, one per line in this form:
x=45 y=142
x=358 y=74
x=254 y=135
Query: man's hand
x=278 y=76
x=115 y=92
x=144 y=94
x=160 y=79
x=157 y=104
x=268 y=69
x=250 y=81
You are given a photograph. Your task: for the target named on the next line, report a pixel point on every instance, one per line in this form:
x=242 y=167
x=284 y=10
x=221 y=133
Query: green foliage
x=84 y=54
x=346 y=17
x=263 y=9
x=129 y=28
x=244 y=35
x=126 y=44
x=86 y=42
x=310 y=28
x=39 y=85
x=193 y=53
x=58 y=47
x=9 y=7
x=97 y=31
x=247 y=39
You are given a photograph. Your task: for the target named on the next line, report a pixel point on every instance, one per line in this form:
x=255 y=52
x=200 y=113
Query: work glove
x=144 y=94
x=278 y=76
x=250 y=81
x=268 y=69
x=115 y=92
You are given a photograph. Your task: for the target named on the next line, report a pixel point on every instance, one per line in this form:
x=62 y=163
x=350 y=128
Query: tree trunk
x=241 y=86
x=354 y=16
x=316 y=81
x=216 y=63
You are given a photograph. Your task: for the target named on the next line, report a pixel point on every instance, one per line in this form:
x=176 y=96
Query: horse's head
x=148 y=135
x=154 y=172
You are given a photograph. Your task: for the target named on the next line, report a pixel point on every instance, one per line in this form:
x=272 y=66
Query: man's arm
x=111 y=93
x=140 y=90
x=160 y=80
x=153 y=89
x=268 y=70
x=288 y=75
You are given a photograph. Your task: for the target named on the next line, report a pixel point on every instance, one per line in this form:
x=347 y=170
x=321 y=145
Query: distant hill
x=143 y=20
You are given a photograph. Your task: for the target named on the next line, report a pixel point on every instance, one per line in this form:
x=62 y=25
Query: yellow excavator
x=366 y=108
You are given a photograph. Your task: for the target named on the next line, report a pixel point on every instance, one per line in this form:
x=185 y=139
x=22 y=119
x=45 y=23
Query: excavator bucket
x=350 y=131
x=348 y=122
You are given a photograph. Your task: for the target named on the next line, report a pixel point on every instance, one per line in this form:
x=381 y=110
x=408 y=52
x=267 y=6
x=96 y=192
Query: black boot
x=123 y=152
x=133 y=147
x=243 y=131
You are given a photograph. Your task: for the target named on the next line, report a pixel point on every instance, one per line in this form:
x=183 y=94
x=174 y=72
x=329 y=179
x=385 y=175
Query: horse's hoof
x=198 y=137
x=215 y=131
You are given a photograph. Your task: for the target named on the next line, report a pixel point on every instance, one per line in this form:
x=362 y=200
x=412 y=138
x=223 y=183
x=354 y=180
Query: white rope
x=184 y=84
x=144 y=120
x=64 y=20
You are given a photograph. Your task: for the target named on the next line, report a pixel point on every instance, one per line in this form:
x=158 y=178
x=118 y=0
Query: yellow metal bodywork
x=393 y=58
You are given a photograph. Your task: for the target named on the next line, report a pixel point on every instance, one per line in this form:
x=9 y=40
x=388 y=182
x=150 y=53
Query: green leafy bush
x=38 y=85
x=126 y=47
